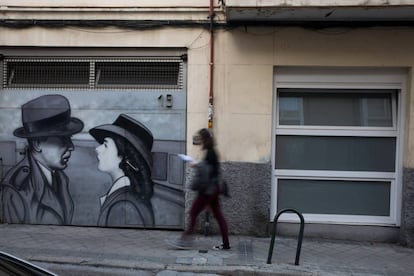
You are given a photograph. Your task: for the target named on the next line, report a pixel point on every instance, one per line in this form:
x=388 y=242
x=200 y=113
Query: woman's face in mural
x=107 y=154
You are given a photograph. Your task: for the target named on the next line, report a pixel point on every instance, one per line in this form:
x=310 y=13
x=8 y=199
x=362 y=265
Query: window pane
x=335 y=197
x=335 y=153
x=334 y=107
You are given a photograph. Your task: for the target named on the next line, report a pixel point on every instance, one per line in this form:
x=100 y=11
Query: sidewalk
x=147 y=250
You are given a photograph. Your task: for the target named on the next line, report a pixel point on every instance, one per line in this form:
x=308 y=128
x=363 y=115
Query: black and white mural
x=117 y=174
x=125 y=154
x=36 y=189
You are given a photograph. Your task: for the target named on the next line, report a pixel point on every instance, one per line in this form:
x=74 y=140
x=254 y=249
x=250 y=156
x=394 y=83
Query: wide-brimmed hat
x=48 y=115
x=133 y=131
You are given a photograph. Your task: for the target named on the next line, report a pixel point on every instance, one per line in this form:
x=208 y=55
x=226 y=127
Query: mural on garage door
x=95 y=155
x=36 y=190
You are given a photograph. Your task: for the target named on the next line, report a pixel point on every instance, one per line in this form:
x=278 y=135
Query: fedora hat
x=133 y=131
x=48 y=115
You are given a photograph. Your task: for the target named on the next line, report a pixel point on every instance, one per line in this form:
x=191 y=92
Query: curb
x=236 y=270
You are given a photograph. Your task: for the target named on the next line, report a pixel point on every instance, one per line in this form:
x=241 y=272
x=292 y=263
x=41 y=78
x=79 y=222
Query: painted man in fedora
x=36 y=190
x=125 y=154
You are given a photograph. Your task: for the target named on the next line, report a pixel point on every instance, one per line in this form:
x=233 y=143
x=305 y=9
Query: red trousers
x=201 y=202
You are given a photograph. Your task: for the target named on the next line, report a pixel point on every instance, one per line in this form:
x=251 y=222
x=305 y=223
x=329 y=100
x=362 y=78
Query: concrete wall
x=299 y=47
x=317 y=3
x=407 y=226
x=244 y=63
x=247 y=209
x=245 y=58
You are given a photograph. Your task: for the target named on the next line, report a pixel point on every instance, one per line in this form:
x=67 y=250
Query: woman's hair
x=207 y=139
x=135 y=168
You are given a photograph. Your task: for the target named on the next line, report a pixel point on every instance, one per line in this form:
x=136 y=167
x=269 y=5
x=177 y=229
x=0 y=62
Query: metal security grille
x=137 y=74
x=46 y=74
x=96 y=73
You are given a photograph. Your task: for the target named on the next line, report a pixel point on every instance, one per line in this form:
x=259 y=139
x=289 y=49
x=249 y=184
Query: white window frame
x=343 y=78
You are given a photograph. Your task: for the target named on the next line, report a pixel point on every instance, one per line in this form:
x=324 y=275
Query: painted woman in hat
x=125 y=154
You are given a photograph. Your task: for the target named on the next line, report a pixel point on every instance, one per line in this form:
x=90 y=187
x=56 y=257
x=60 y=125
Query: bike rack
x=300 y=238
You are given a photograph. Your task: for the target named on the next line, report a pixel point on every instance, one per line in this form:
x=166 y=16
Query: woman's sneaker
x=180 y=243
x=222 y=247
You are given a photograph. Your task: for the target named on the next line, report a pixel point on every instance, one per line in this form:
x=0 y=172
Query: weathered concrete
x=247 y=208
x=130 y=251
x=407 y=216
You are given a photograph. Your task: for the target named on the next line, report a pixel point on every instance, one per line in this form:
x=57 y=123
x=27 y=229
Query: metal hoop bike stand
x=300 y=238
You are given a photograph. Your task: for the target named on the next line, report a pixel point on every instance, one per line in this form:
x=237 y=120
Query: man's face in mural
x=107 y=154
x=55 y=151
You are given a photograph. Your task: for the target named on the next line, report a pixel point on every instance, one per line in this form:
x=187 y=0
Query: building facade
x=310 y=103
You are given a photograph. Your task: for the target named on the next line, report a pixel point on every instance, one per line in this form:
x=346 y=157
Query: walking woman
x=209 y=196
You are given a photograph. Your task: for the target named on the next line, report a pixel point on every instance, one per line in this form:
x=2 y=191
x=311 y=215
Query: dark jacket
x=206 y=178
x=123 y=208
x=28 y=198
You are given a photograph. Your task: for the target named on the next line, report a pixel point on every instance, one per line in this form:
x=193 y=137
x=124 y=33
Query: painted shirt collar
x=118 y=184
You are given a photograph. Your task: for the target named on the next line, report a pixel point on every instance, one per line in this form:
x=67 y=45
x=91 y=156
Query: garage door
x=136 y=96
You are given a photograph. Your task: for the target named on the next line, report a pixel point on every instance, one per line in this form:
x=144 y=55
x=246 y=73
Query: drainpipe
x=211 y=94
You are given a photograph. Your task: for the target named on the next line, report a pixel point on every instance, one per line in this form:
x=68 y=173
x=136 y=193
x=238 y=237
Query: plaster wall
x=103 y=3
x=108 y=10
x=244 y=65
x=245 y=59
x=249 y=55
x=319 y=3
x=198 y=3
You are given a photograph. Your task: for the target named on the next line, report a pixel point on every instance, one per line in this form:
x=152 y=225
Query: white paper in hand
x=186 y=158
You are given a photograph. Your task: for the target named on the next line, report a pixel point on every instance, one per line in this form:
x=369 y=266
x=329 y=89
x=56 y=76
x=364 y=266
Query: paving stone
x=147 y=250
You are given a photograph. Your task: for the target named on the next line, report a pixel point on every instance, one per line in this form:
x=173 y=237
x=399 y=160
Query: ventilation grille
x=148 y=73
